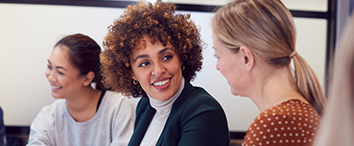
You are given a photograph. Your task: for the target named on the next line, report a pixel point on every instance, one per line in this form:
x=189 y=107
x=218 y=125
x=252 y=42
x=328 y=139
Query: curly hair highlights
x=159 y=23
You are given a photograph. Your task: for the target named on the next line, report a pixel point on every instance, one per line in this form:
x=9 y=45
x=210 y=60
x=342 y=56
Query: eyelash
x=166 y=57
x=217 y=57
x=144 y=64
x=58 y=71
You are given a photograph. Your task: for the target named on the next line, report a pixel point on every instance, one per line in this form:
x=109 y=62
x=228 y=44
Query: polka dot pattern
x=291 y=123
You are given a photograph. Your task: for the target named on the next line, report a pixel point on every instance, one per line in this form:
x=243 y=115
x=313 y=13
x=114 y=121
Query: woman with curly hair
x=254 y=41
x=153 y=53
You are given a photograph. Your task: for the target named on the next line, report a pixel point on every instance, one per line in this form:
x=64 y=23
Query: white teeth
x=161 y=83
x=55 y=87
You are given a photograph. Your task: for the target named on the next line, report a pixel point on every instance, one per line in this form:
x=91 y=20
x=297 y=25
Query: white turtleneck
x=163 y=109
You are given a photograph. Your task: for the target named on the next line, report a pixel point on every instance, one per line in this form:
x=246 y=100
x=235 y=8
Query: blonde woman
x=337 y=127
x=254 y=42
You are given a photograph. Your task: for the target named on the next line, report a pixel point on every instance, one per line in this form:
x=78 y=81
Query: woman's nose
x=217 y=65
x=51 y=76
x=159 y=69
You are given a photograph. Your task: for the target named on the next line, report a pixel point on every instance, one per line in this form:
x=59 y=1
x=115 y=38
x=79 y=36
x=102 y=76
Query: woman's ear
x=88 y=78
x=133 y=76
x=248 y=58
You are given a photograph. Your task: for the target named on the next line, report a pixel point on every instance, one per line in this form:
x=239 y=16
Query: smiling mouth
x=161 y=83
x=56 y=88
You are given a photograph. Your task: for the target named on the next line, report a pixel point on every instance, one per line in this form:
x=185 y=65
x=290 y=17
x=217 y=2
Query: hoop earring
x=183 y=67
x=135 y=82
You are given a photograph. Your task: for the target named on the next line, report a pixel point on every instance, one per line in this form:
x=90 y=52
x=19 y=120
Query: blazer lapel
x=142 y=126
x=188 y=89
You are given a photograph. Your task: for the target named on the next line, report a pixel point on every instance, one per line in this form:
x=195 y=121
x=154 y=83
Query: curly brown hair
x=158 y=22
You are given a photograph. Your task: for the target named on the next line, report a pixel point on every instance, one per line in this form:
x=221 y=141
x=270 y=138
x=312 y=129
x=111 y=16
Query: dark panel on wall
x=93 y=3
x=16 y=135
x=123 y=4
x=331 y=39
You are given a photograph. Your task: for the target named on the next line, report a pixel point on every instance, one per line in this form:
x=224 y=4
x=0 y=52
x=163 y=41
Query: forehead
x=60 y=53
x=216 y=41
x=217 y=45
x=146 y=45
x=60 y=57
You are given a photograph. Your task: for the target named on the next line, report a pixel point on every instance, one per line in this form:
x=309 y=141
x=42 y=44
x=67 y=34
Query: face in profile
x=157 y=68
x=62 y=75
x=230 y=66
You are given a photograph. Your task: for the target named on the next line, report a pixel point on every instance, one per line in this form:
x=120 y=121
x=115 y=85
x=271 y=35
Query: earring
x=135 y=82
x=183 y=67
x=85 y=83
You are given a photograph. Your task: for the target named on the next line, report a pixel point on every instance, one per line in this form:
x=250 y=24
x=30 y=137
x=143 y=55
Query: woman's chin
x=235 y=93
x=56 y=96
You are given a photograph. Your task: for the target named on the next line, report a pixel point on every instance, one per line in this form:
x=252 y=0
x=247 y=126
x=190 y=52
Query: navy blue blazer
x=196 y=119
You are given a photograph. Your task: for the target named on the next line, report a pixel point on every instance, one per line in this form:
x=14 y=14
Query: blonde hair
x=267 y=28
x=337 y=127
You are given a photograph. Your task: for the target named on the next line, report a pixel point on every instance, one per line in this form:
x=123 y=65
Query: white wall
x=27 y=36
x=28 y=33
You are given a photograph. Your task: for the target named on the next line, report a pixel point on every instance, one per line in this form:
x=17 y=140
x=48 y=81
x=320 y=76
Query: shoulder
x=57 y=107
x=114 y=103
x=114 y=96
x=116 y=99
x=293 y=113
x=142 y=104
x=198 y=103
x=289 y=122
x=49 y=114
x=201 y=98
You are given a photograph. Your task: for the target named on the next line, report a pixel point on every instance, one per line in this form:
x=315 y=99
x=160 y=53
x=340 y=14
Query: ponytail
x=308 y=84
x=267 y=28
x=98 y=80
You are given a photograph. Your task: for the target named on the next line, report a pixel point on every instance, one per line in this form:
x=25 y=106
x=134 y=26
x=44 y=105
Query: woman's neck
x=83 y=106
x=274 y=88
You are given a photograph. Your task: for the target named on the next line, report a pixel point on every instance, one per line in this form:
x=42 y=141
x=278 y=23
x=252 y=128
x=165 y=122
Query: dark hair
x=158 y=22
x=84 y=54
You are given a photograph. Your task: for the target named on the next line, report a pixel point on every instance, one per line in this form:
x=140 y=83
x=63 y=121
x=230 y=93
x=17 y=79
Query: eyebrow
x=58 y=67
x=164 y=50
x=145 y=55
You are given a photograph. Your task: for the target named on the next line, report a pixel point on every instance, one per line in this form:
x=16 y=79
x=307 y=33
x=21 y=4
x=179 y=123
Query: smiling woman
x=151 y=52
x=82 y=111
x=158 y=69
x=62 y=75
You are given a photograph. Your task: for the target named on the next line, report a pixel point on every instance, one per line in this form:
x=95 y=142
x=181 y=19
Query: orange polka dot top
x=290 y=123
